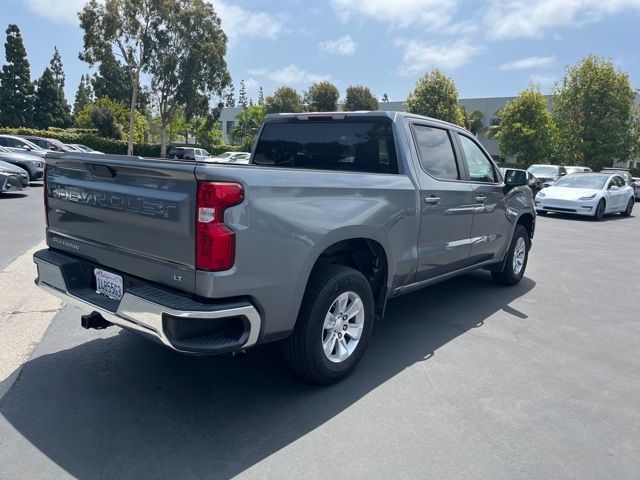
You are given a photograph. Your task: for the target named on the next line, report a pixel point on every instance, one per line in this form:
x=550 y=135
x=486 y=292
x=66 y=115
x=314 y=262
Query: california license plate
x=109 y=284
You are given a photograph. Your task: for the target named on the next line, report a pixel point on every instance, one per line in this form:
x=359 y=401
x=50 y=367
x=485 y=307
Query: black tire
x=542 y=212
x=303 y=350
x=600 y=208
x=508 y=275
x=629 y=209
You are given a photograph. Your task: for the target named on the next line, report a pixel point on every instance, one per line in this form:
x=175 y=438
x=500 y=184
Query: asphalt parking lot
x=465 y=379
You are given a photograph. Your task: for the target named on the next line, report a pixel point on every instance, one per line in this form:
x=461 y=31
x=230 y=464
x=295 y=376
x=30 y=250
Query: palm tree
x=474 y=121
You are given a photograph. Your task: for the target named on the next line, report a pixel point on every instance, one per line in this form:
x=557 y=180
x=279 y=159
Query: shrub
x=107 y=145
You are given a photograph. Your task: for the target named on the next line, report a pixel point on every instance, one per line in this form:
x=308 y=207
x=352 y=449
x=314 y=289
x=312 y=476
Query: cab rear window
x=365 y=146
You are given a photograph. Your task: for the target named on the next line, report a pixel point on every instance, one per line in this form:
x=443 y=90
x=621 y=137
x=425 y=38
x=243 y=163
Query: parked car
x=623 y=172
x=33 y=165
x=71 y=148
x=578 y=170
x=188 y=153
x=306 y=246
x=547 y=174
x=84 y=148
x=20 y=145
x=232 y=157
x=636 y=187
x=47 y=143
x=534 y=184
x=590 y=194
x=12 y=178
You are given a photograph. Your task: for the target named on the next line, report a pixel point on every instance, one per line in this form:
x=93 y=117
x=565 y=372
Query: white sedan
x=589 y=194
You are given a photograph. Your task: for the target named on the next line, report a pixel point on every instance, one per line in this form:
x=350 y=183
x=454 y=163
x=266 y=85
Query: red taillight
x=215 y=242
x=45 y=191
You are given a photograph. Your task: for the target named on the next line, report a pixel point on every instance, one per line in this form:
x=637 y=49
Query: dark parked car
x=48 y=143
x=33 y=165
x=12 y=178
x=188 y=153
x=547 y=174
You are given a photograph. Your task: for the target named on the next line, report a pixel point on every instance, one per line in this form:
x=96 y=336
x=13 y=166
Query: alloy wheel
x=343 y=327
x=519 y=255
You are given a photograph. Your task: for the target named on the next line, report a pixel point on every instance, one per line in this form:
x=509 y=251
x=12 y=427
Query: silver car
x=33 y=165
x=21 y=145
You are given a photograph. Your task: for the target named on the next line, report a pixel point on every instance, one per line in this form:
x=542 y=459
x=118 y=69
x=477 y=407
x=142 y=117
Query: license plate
x=109 y=284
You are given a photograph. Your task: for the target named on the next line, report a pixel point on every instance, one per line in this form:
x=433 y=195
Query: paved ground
x=462 y=380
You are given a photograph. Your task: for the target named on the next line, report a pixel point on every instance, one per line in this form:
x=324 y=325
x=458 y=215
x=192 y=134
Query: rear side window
x=436 y=152
x=332 y=145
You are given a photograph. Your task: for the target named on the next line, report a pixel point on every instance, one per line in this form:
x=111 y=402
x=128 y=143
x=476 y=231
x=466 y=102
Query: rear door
x=491 y=232
x=445 y=201
x=130 y=214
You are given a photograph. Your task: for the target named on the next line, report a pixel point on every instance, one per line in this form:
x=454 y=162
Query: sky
x=490 y=48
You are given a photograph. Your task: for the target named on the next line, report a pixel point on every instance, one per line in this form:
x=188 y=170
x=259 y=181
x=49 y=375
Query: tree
x=322 y=97
x=126 y=25
x=188 y=66
x=16 y=89
x=249 y=122
x=230 y=97
x=473 y=121
x=260 y=96
x=385 y=98
x=105 y=122
x=242 y=96
x=527 y=130
x=112 y=80
x=359 y=98
x=57 y=68
x=50 y=107
x=593 y=108
x=84 y=118
x=84 y=94
x=435 y=95
x=284 y=100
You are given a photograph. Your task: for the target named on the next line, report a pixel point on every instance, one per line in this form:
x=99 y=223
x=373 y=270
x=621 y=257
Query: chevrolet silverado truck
x=334 y=215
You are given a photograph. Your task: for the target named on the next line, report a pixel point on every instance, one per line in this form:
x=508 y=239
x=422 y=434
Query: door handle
x=432 y=200
x=481 y=199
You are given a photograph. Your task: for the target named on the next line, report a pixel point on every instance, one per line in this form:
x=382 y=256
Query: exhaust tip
x=95 y=321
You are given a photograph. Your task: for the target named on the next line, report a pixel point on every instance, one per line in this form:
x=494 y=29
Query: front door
x=491 y=230
x=446 y=205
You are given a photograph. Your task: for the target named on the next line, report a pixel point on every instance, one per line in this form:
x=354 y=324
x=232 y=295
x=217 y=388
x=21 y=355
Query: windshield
x=595 y=182
x=543 y=170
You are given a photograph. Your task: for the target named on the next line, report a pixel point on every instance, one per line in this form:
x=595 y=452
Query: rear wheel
x=599 y=213
x=516 y=262
x=333 y=327
x=629 y=209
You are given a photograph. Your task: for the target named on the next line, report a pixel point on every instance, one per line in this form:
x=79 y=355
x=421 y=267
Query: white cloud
x=61 y=11
x=239 y=23
x=528 y=63
x=432 y=14
x=340 y=46
x=529 y=18
x=419 y=57
x=289 y=75
x=542 y=80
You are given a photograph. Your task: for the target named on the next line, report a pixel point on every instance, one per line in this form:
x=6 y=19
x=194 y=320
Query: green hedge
x=107 y=145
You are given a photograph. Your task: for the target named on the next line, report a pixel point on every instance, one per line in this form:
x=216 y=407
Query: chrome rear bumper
x=152 y=318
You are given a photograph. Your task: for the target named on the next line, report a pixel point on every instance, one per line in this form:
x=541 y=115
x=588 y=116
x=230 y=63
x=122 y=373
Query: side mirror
x=515 y=178
x=27 y=147
x=613 y=188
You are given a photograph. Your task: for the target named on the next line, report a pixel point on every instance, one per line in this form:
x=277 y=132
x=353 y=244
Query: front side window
x=480 y=168
x=357 y=146
x=436 y=152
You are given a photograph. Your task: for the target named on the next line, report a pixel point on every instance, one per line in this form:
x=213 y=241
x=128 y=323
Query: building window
x=230 y=125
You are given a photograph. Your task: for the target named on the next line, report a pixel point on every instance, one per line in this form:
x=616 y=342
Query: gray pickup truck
x=335 y=214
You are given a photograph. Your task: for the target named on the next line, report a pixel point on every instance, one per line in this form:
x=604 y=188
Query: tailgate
x=127 y=213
